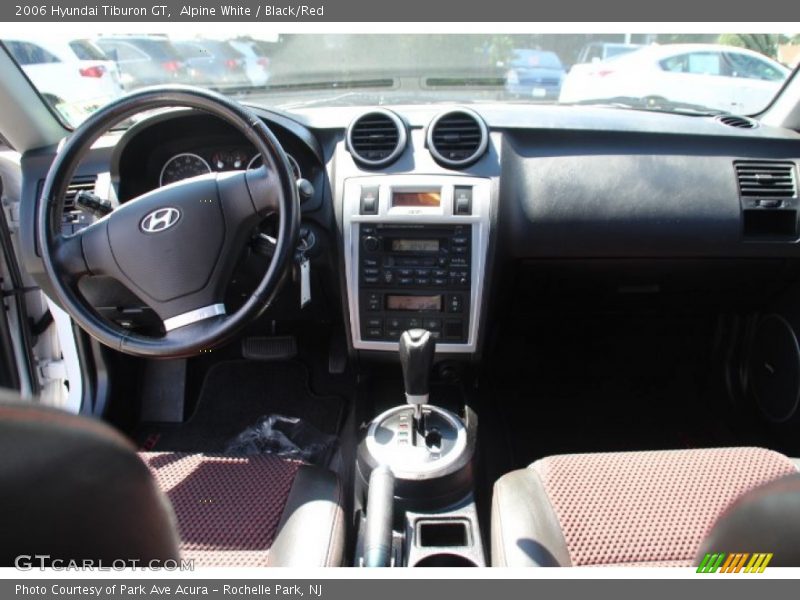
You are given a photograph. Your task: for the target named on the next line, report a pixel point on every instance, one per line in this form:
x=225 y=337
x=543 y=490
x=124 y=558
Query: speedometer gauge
x=183 y=166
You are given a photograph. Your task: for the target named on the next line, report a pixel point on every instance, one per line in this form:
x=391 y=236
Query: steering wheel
x=174 y=247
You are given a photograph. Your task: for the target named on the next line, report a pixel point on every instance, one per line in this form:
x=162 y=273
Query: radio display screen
x=414 y=245
x=417 y=199
x=414 y=303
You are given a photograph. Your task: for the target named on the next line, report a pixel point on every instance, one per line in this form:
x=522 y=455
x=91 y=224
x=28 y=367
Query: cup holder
x=445 y=560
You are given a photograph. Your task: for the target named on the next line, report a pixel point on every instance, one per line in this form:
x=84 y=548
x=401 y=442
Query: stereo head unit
x=415 y=252
x=423 y=270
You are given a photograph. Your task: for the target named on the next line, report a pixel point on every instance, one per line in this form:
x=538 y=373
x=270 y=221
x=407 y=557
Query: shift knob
x=416 y=357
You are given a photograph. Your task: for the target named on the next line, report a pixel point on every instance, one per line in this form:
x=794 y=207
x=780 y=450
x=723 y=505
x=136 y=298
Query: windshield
x=694 y=73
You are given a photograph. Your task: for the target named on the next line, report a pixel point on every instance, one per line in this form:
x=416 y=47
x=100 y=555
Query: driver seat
x=73 y=488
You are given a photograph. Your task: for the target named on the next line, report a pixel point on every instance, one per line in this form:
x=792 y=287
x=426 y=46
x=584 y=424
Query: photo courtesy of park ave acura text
x=513 y=289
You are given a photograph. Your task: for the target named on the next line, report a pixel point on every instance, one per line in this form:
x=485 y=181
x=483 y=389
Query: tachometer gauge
x=183 y=166
x=256 y=162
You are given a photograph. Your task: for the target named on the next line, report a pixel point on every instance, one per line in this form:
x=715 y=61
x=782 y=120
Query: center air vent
x=457 y=138
x=377 y=138
x=766 y=179
x=737 y=121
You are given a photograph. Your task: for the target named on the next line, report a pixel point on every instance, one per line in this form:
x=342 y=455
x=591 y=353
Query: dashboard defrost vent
x=377 y=138
x=457 y=138
x=737 y=121
x=766 y=179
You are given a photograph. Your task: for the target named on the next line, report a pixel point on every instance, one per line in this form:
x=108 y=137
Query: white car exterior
x=708 y=75
x=74 y=75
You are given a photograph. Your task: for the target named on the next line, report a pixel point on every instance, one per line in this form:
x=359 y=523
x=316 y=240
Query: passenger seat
x=653 y=508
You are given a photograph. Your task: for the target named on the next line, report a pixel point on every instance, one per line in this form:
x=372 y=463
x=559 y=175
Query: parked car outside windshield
x=535 y=73
x=699 y=73
x=73 y=75
x=706 y=76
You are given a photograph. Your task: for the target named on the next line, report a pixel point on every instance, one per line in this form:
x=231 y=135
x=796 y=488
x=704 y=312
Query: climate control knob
x=371 y=244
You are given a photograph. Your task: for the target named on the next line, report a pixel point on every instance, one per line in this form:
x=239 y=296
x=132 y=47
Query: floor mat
x=234 y=396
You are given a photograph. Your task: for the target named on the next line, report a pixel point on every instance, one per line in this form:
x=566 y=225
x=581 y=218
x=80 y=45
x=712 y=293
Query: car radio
x=415 y=250
x=414 y=277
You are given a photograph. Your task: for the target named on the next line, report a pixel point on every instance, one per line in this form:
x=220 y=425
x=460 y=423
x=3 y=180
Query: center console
x=414 y=472
x=415 y=254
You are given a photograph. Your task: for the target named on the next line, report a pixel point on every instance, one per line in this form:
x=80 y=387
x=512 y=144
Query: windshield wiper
x=650 y=104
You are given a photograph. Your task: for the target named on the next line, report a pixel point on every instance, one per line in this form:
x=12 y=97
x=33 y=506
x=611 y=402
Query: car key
x=304 y=263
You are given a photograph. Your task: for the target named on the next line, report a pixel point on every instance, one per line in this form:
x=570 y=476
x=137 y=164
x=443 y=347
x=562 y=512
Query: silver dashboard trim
x=480 y=219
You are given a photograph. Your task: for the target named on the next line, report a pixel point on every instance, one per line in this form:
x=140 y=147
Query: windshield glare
x=714 y=73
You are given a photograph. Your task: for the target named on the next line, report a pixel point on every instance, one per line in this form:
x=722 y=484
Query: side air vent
x=737 y=121
x=457 y=138
x=78 y=184
x=759 y=179
x=377 y=138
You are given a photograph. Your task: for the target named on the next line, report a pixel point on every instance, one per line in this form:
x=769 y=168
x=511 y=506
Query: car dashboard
x=416 y=213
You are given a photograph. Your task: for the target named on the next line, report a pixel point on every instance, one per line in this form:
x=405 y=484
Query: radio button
x=369 y=200
x=373 y=302
x=454 y=330
x=462 y=201
x=455 y=304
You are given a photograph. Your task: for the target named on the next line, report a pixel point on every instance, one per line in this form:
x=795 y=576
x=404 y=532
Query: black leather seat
x=73 y=488
x=658 y=508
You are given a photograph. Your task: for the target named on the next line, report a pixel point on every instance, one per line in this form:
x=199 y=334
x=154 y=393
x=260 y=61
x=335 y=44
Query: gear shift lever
x=417 y=347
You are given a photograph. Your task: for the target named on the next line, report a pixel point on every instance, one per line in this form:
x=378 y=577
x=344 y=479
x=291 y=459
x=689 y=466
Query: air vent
x=457 y=138
x=78 y=184
x=377 y=138
x=737 y=121
x=762 y=179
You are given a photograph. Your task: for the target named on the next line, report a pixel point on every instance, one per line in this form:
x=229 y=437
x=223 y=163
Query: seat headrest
x=74 y=488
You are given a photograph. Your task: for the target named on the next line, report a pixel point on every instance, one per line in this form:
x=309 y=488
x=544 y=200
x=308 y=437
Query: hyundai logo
x=160 y=220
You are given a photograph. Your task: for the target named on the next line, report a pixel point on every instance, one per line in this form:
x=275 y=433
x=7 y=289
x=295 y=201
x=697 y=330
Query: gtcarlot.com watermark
x=30 y=562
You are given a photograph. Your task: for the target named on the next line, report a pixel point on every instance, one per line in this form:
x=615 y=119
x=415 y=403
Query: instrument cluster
x=192 y=164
